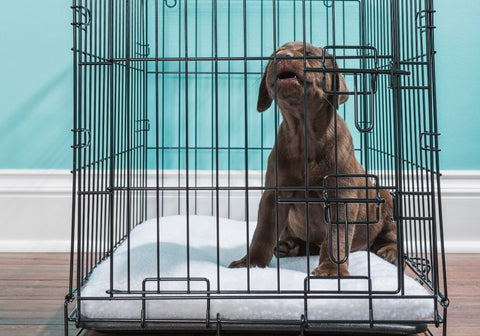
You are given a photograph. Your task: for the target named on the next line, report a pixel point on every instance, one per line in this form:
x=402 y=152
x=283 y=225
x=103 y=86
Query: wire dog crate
x=165 y=130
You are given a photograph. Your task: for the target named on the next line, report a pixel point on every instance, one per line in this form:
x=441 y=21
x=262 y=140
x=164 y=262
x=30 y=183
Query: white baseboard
x=460 y=191
x=35 y=209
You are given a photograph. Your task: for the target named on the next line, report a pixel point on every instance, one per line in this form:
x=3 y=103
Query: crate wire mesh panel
x=165 y=123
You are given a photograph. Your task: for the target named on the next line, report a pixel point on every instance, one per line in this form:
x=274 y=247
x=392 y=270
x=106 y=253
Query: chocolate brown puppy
x=287 y=82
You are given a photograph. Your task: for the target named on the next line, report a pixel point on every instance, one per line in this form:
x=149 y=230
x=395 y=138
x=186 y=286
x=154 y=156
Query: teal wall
x=458 y=82
x=36 y=84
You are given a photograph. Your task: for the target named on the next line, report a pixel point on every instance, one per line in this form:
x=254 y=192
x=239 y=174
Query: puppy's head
x=286 y=82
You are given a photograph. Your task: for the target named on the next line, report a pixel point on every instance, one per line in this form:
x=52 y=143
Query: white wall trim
x=35 y=209
x=460 y=183
x=36 y=182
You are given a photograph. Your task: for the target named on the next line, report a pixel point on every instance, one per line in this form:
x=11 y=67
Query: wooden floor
x=33 y=286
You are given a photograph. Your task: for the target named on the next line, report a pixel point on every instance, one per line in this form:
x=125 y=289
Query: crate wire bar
x=165 y=124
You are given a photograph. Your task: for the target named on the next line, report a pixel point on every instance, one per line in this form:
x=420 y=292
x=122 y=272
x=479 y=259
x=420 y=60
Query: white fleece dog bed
x=203 y=263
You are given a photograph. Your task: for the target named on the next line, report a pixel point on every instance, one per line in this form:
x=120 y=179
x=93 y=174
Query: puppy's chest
x=294 y=173
x=297 y=221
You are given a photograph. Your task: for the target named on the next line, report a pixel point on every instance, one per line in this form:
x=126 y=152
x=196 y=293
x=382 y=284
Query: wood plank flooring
x=32 y=288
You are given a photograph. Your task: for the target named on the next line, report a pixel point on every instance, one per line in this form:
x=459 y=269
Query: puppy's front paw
x=329 y=269
x=243 y=263
x=389 y=253
x=239 y=263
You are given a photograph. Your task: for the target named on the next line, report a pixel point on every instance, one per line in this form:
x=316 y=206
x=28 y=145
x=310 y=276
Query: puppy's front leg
x=263 y=241
x=333 y=258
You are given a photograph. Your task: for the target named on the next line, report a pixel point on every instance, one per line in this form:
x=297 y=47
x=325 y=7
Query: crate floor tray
x=205 y=253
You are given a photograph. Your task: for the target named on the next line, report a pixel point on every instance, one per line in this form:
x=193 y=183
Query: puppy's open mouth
x=289 y=76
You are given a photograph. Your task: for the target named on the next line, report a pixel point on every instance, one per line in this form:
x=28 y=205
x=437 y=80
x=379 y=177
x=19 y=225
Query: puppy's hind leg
x=288 y=245
x=291 y=246
x=385 y=244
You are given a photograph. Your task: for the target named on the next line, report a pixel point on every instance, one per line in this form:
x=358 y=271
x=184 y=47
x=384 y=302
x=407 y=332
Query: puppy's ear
x=264 y=99
x=342 y=87
x=339 y=86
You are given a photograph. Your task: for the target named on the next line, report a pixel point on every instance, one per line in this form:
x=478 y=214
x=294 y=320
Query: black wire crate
x=331 y=194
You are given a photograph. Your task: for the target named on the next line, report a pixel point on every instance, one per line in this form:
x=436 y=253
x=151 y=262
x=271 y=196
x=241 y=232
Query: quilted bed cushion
x=202 y=252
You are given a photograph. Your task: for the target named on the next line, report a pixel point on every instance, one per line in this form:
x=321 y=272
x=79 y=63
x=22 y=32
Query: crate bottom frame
x=235 y=327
